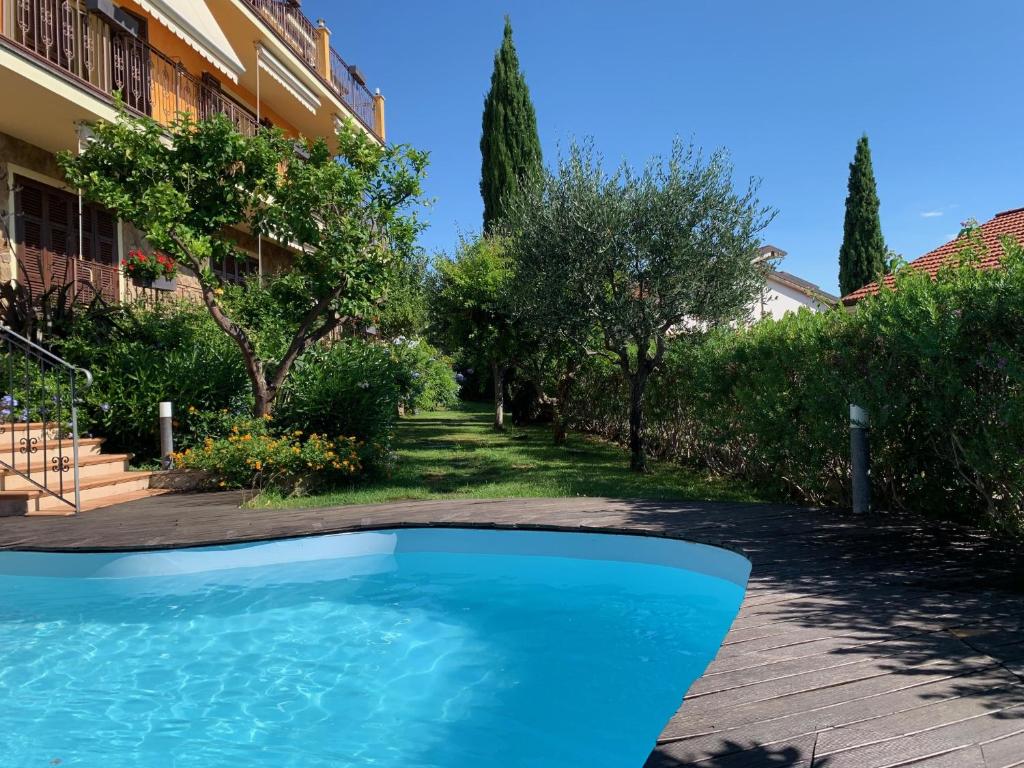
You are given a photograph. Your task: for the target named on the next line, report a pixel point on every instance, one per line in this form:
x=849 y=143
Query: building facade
x=784 y=292
x=260 y=62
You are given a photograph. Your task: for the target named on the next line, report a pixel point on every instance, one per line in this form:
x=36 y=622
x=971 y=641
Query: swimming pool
x=412 y=648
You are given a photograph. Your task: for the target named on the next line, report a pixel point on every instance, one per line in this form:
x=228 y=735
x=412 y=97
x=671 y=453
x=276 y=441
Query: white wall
x=777 y=299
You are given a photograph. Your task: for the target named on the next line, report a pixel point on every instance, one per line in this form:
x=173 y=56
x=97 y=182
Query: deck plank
x=862 y=642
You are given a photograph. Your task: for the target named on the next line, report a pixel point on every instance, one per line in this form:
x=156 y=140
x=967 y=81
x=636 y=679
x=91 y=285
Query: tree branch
x=306 y=336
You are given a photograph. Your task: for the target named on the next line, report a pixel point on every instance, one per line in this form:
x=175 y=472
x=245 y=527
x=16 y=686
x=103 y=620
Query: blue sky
x=787 y=86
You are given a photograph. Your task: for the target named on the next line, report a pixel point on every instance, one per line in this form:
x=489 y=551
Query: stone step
x=95 y=492
x=87 y=446
x=15 y=431
x=97 y=465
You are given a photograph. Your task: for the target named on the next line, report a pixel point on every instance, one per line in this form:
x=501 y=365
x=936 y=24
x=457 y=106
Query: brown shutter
x=47 y=235
x=62 y=245
x=106 y=255
x=30 y=225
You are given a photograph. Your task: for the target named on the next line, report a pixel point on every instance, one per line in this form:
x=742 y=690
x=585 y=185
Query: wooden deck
x=861 y=642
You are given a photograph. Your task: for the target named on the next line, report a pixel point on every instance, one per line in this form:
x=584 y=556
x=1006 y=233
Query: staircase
x=104 y=478
x=45 y=467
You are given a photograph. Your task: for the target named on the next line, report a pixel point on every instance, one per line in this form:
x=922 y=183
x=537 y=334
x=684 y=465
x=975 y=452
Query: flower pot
x=156 y=283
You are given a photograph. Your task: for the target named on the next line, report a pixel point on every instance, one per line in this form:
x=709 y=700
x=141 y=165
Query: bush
x=142 y=354
x=347 y=388
x=939 y=365
x=253 y=455
x=424 y=376
x=355 y=387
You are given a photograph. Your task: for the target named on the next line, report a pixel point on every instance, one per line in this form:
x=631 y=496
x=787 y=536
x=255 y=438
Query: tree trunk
x=560 y=434
x=562 y=398
x=637 y=450
x=499 y=396
x=263 y=400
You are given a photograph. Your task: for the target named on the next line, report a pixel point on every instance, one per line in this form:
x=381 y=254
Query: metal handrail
x=40 y=383
x=354 y=93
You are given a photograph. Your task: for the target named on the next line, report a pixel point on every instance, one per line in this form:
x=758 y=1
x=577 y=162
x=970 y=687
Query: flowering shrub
x=34 y=395
x=424 y=376
x=11 y=409
x=252 y=455
x=146 y=266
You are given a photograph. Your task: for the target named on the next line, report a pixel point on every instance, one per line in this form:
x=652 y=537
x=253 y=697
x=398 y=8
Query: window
x=46 y=234
x=236 y=270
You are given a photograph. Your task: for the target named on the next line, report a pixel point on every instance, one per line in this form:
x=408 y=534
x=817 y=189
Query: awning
x=192 y=21
x=277 y=69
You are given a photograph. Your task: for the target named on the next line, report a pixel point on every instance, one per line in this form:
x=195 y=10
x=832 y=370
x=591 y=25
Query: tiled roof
x=771 y=250
x=992 y=232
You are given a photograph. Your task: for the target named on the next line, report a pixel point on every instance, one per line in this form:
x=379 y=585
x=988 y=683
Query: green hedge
x=939 y=365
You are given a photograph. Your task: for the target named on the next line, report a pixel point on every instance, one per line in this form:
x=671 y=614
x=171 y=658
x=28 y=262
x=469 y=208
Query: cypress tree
x=509 y=145
x=862 y=255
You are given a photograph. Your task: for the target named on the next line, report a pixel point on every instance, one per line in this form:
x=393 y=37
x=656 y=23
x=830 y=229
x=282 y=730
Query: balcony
x=105 y=59
x=287 y=21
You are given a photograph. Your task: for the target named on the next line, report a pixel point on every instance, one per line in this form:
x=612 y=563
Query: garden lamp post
x=860 y=459
x=166 y=434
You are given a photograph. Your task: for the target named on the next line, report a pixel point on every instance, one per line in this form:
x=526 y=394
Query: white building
x=784 y=292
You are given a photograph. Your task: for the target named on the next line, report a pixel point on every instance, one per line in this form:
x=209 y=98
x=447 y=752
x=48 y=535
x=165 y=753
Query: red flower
x=138 y=263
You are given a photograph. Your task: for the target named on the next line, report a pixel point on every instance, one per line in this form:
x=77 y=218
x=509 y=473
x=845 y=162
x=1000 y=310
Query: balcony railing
x=356 y=95
x=295 y=29
x=64 y=35
x=292 y=26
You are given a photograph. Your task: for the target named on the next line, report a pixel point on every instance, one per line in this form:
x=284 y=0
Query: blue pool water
x=412 y=649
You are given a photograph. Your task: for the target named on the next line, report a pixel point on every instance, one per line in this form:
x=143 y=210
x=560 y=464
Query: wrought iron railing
x=62 y=33
x=291 y=25
x=294 y=28
x=354 y=93
x=154 y=84
x=84 y=46
x=39 y=415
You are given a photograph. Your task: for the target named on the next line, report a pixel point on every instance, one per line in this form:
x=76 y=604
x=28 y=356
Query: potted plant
x=151 y=270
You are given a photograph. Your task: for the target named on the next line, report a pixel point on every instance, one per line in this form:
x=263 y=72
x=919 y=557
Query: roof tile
x=992 y=232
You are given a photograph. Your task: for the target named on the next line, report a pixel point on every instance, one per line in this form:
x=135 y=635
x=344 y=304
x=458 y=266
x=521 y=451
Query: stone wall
x=275 y=259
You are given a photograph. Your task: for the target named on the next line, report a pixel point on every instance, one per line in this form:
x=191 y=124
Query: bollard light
x=860 y=459
x=166 y=434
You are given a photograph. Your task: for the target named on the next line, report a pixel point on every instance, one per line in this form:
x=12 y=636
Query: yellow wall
x=164 y=99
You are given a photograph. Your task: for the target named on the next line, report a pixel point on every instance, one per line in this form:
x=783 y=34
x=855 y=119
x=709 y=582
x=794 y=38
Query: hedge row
x=939 y=365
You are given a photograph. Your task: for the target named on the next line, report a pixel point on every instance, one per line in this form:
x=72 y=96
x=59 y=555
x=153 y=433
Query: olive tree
x=193 y=187
x=615 y=263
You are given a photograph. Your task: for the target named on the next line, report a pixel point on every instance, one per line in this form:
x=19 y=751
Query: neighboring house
x=784 y=292
x=61 y=61
x=1008 y=223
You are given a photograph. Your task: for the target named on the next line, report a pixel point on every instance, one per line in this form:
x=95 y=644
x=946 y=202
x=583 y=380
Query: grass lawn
x=456 y=454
